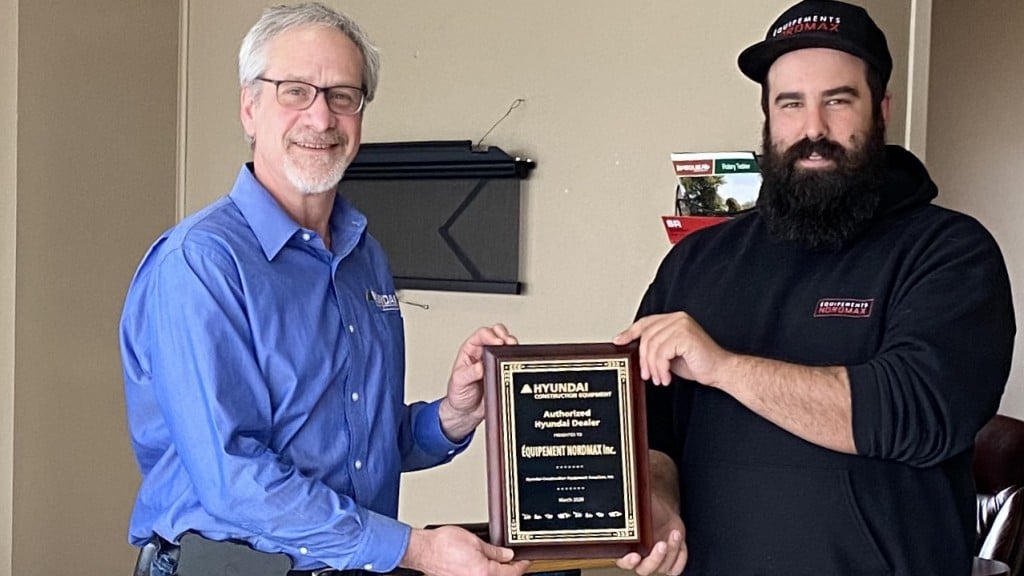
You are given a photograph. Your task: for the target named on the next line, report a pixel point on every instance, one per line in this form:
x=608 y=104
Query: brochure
x=711 y=188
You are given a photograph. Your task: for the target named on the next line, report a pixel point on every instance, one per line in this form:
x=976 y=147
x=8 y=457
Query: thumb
x=634 y=331
x=468 y=373
x=624 y=337
x=497 y=553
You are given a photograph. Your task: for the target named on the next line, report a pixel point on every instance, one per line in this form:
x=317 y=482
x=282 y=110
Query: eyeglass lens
x=299 y=96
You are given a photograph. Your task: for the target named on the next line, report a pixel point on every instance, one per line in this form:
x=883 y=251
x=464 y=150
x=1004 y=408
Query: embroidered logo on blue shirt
x=386 y=302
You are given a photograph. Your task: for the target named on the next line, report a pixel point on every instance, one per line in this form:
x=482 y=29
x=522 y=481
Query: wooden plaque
x=567 y=464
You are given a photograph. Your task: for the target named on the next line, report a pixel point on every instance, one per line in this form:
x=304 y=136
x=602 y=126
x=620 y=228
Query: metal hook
x=421 y=306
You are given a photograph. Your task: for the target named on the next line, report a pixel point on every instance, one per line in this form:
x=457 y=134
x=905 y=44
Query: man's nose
x=319 y=115
x=816 y=124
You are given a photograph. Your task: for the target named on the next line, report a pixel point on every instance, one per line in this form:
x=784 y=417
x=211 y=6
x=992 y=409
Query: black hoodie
x=918 y=308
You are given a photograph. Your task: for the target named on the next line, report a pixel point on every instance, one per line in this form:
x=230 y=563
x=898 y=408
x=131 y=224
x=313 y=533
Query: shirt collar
x=273 y=227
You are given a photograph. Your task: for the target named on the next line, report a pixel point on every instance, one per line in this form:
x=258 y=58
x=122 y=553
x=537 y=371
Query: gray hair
x=252 y=56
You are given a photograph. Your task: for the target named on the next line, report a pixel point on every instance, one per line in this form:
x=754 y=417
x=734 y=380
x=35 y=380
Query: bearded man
x=819 y=367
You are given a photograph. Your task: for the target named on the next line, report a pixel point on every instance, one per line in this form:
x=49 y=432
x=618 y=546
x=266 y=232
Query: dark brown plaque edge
x=497 y=506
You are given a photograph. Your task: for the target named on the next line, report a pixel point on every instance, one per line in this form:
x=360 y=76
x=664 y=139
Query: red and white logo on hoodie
x=846 y=307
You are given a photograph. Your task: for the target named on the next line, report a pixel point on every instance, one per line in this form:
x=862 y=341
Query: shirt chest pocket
x=388 y=345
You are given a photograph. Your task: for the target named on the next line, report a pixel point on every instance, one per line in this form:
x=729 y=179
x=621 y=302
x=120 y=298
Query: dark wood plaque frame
x=634 y=457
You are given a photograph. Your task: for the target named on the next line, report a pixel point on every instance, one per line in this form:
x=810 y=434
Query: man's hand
x=669 y=553
x=462 y=410
x=812 y=402
x=675 y=343
x=668 y=556
x=452 y=551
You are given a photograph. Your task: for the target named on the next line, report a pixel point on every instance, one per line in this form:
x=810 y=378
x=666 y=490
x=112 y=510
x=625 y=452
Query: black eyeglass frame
x=318 y=90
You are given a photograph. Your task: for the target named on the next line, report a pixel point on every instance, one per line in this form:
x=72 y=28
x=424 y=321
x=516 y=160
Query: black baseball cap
x=820 y=24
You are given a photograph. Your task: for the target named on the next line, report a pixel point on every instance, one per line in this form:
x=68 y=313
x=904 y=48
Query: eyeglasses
x=297 y=95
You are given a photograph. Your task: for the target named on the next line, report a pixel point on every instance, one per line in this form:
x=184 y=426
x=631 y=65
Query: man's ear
x=886 y=105
x=247 y=111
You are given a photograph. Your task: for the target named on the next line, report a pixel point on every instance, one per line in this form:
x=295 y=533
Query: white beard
x=318 y=176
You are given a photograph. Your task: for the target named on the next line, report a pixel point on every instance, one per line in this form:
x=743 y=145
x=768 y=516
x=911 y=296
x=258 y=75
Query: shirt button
x=351 y=329
x=303 y=550
x=355 y=396
x=359 y=464
x=305 y=236
x=368 y=567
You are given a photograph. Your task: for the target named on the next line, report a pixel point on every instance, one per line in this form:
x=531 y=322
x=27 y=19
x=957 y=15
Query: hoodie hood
x=907 y=183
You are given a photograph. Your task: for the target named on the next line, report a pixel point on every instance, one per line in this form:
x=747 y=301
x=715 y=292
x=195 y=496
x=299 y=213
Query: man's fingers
x=629 y=561
x=492 y=335
x=468 y=373
x=635 y=330
x=513 y=569
x=650 y=564
x=674 y=556
x=680 y=563
x=665 y=558
x=662 y=348
x=472 y=348
x=664 y=368
x=497 y=553
x=652 y=347
x=524 y=563
x=502 y=564
x=503 y=335
x=626 y=336
x=659 y=337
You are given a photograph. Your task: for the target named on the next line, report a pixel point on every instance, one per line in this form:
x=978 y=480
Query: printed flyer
x=711 y=188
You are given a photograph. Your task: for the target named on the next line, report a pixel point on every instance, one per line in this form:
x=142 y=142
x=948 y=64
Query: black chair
x=999 y=475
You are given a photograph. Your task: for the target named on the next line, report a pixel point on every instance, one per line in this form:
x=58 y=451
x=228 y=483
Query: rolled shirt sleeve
x=945 y=357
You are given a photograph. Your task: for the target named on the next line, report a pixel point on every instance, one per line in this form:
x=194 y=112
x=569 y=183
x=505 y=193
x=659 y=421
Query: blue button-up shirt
x=264 y=379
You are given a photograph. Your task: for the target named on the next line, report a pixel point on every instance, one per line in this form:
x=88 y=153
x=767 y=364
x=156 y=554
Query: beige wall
x=611 y=89
x=95 y=142
x=8 y=227
x=87 y=187
x=894 y=18
x=976 y=131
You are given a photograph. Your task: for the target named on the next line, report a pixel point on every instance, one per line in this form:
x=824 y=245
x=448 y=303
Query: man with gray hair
x=263 y=350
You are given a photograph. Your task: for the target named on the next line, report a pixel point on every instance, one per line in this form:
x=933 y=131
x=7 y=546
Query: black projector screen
x=447 y=216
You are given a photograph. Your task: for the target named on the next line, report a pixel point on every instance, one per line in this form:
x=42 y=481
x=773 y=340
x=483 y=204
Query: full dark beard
x=821 y=209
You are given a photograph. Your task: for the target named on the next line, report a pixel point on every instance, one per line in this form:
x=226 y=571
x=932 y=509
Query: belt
x=330 y=572
x=198 y=555
x=353 y=572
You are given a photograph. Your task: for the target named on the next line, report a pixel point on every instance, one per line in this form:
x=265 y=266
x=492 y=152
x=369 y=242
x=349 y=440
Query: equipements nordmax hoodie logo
x=846 y=307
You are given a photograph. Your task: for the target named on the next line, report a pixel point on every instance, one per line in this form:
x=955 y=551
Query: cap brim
x=756 y=60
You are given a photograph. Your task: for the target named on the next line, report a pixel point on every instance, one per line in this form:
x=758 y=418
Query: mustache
x=319 y=138
x=827 y=149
